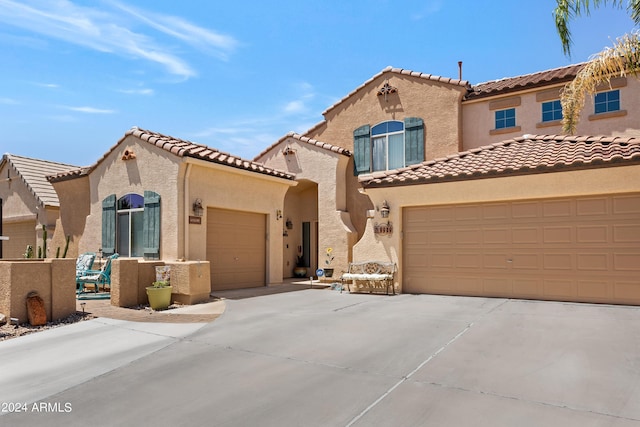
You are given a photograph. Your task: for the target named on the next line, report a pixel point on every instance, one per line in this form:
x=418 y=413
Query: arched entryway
x=300 y=228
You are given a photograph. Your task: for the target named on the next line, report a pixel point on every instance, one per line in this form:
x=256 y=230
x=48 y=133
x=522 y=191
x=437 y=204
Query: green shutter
x=362 y=150
x=151 y=227
x=413 y=141
x=109 y=225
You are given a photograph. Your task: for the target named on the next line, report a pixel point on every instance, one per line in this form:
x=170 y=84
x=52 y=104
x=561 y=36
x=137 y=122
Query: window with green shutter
x=109 y=225
x=131 y=225
x=151 y=230
x=388 y=145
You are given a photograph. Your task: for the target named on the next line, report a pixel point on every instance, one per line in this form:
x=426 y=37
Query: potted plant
x=300 y=269
x=159 y=293
x=328 y=271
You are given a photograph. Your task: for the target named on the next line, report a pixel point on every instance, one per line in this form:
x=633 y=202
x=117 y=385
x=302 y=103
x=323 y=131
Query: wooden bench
x=371 y=276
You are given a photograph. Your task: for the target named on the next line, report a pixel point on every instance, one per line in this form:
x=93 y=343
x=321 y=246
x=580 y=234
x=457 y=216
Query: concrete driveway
x=321 y=358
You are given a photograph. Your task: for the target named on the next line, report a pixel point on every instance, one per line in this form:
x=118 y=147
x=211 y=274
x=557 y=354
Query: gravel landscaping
x=8 y=331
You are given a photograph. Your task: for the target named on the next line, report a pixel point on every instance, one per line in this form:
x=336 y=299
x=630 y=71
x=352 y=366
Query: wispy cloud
x=181 y=29
x=106 y=31
x=91 y=110
x=47 y=85
x=145 y=92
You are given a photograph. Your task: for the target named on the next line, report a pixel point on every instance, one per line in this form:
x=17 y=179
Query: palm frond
x=619 y=60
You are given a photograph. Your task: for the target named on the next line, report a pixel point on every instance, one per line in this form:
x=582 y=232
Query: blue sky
x=238 y=75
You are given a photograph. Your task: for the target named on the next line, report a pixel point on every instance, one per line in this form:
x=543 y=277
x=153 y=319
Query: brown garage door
x=579 y=249
x=236 y=249
x=20 y=235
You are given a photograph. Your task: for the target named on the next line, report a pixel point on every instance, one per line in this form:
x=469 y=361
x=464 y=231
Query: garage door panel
x=593 y=262
x=595 y=206
x=525 y=235
x=560 y=289
x=627 y=262
x=495 y=261
x=556 y=234
x=554 y=209
x=573 y=249
x=495 y=286
x=626 y=233
x=595 y=290
x=623 y=205
x=496 y=236
x=592 y=234
x=626 y=290
x=469 y=260
x=496 y=211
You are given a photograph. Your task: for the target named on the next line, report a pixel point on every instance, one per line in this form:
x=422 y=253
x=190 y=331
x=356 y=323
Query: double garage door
x=236 y=249
x=574 y=249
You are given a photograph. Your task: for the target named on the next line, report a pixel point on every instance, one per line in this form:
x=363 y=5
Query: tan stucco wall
x=610 y=180
x=74 y=196
x=326 y=169
x=479 y=119
x=223 y=187
x=153 y=169
x=53 y=279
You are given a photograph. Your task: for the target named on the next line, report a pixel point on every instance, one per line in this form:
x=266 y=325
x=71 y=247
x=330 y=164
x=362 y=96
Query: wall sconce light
x=289 y=224
x=384 y=210
x=278 y=214
x=197 y=207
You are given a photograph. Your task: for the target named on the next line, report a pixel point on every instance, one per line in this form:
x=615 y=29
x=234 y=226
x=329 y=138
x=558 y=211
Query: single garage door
x=576 y=249
x=20 y=235
x=236 y=249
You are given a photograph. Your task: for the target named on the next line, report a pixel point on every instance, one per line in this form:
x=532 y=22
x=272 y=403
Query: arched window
x=130 y=225
x=388 y=145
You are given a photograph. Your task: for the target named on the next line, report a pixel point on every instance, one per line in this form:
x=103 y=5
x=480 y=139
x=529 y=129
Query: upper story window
x=387 y=140
x=505 y=118
x=607 y=101
x=551 y=111
x=388 y=145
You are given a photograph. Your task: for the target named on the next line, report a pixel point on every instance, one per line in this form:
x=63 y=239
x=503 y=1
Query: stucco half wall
x=590 y=182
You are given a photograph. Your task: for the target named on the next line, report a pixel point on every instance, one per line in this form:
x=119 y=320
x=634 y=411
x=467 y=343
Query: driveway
x=321 y=358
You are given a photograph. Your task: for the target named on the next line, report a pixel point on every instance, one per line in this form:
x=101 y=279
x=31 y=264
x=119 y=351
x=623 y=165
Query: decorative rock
x=35 y=309
x=3 y=319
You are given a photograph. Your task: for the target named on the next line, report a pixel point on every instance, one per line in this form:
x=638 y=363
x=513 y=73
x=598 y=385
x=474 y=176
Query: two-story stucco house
x=535 y=217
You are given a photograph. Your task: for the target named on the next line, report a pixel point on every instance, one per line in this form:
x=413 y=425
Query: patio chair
x=84 y=263
x=97 y=278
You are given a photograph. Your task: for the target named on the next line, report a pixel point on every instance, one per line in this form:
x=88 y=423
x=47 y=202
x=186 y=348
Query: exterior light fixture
x=384 y=210
x=197 y=207
x=278 y=214
x=289 y=224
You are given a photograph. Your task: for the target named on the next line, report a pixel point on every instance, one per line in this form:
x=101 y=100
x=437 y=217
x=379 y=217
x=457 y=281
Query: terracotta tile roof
x=525 y=155
x=34 y=172
x=401 y=71
x=527 y=81
x=311 y=141
x=182 y=148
